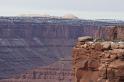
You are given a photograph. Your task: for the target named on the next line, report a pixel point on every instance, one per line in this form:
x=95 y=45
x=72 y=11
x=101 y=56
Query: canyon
x=30 y=43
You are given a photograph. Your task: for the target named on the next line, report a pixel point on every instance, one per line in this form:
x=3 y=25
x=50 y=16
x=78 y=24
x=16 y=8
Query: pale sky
x=91 y=9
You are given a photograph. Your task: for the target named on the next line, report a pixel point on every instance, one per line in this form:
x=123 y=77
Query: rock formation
x=56 y=72
x=29 y=42
x=98 y=61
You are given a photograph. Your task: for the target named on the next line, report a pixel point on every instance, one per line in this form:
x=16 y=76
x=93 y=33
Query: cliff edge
x=98 y=61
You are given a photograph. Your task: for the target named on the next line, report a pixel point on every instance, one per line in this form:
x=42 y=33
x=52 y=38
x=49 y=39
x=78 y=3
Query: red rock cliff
x=101 y=61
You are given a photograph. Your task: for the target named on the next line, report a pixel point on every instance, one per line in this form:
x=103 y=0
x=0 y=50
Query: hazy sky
x=82 y=8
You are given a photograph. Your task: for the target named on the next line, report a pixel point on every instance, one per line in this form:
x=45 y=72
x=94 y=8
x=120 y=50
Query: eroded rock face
x=101 y=61
x=28 y=42
x=60 y=71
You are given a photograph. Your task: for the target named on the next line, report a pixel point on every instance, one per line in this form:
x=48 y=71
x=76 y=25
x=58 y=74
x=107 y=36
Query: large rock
x=106 y=45
x=114 y=45
x=121 y=45
x=85 y=38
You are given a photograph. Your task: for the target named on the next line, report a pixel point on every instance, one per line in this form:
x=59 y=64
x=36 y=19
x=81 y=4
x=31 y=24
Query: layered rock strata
x=60 y=71
x=98 y=61
x=29 y=42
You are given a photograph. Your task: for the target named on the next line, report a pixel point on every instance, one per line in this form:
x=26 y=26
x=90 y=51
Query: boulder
x=121 y=45
x=84 y=39
x=114 y=45
x=84 y=46
x=106 y=45
x=98 y=46
x=107 y=55
x=113 y=57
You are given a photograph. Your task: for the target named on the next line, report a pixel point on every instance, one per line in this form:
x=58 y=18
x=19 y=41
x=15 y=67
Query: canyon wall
x=28 y=42
x=60 y=71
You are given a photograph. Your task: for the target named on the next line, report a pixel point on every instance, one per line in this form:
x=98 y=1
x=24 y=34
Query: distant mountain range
x=71 y=16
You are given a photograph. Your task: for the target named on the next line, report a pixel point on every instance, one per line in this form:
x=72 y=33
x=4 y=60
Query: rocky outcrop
x=98 y=61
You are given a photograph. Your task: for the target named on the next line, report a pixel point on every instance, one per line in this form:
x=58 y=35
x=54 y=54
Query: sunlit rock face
x=28 y=42
x=98 y=61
